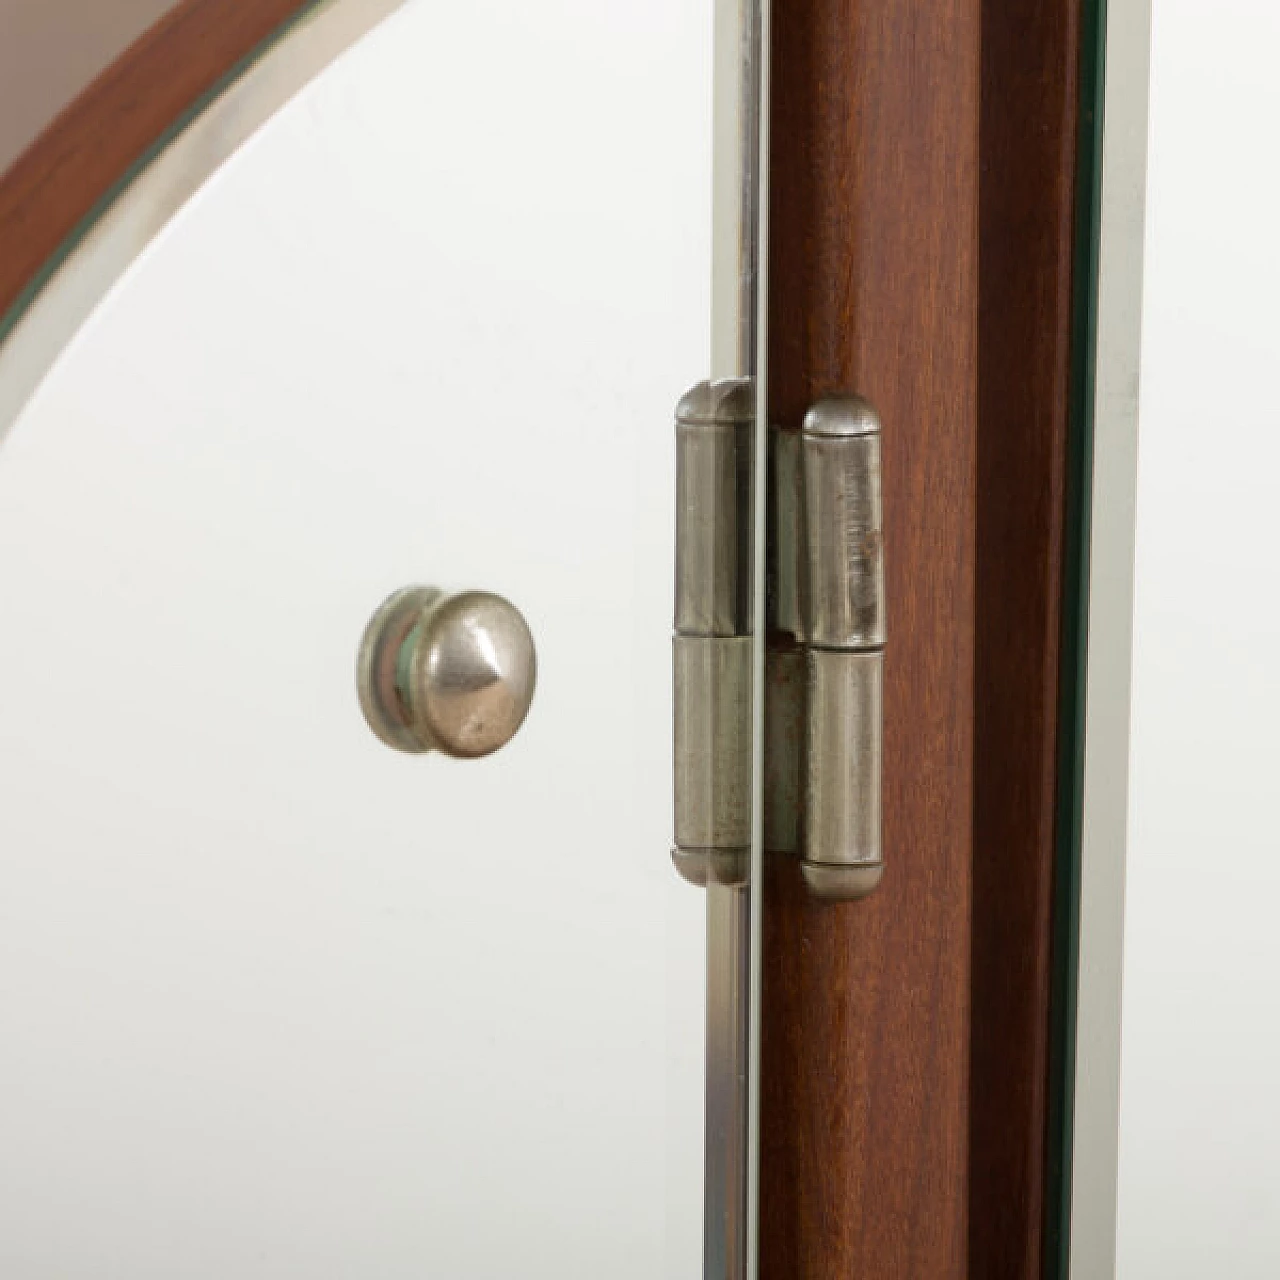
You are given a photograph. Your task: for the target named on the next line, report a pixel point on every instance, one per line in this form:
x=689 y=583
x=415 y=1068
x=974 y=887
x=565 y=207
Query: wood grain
x=1030 y=76
x=51 y=50
x=55 y=184
x=874 y=289
x=894 y=1143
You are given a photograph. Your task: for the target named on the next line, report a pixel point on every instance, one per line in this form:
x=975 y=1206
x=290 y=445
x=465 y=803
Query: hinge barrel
x=712 y=738
x=842 y=574
x=843 y=857
x=827 y=591
x=712 y=647
x=715 y=422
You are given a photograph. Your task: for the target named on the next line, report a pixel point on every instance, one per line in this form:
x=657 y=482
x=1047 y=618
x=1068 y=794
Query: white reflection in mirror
x=1200 y=1110
x=278 y=1001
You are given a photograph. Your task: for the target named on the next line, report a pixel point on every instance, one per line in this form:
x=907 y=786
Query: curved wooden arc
x=94 y=145
x=52 y=51
x=156 y=124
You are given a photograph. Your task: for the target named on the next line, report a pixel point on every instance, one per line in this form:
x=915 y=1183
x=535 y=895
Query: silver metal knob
x=447 y=673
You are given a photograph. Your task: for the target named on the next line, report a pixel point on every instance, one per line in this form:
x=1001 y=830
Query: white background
x=275 y=1001
x=1200 y=1108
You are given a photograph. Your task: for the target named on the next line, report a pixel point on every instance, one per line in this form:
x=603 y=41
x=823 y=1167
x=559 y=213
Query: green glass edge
x=1075 y=635
x=9 y=321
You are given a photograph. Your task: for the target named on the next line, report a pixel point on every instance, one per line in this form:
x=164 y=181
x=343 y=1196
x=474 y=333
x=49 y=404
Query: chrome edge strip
x=740 y=150
x=764 y=83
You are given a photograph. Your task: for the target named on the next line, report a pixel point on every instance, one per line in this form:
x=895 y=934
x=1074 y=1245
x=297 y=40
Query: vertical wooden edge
x=1030 y=127
x=874 y=289
x=74 y=165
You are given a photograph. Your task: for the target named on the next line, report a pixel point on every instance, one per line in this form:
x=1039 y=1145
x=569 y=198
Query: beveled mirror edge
x=759 y=627
x=739 y=346
x=1091 y=1147
x=45 y=320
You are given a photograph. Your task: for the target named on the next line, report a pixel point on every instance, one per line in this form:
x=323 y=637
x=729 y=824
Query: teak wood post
x=1030 y=135
x=874 y=289
x=898 y=149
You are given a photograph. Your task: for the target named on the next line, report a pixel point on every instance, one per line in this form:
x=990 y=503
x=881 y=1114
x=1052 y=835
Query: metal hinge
x=825 y=646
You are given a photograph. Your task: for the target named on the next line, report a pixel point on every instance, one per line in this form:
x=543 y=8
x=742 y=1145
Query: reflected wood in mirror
x=91 y=147
x=51 y=51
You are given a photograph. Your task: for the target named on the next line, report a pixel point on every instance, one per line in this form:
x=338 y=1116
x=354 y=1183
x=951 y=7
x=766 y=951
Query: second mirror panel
x=279 y=1000
x=1199 y=1174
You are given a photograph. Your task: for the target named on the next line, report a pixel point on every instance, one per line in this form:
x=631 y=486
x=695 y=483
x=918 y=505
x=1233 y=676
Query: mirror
x=1199 y=1191
x=280 y=1001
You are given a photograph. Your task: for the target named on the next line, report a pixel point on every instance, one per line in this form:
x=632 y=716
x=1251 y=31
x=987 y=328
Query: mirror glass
x=1200 y=1111
x=278 y=1000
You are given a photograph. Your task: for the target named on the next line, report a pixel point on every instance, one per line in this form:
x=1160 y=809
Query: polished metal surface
x=380 y=698
x=843 y=857
x=734 y=913
x=448 y=673
x=712 y=742
x=824 y=669
x=729 y=1154
x=842 y=620
x=714 y=426
x=713 y=868
x=712 y=655
x=842 y=565
x=737 y=207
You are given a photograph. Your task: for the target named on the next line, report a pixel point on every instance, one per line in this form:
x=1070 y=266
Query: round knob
x=448 y=673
